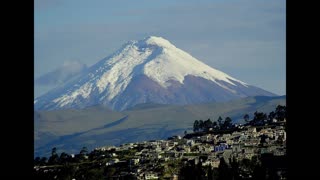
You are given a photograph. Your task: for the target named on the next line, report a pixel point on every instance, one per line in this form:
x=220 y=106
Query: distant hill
x=69 y=130
x=57 y=77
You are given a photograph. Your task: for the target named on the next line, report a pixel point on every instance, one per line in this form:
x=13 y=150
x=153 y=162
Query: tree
x=196 y=126
x=81 y=156
x=210 y=172
x=110 y=171
x=259 y=173
x=263 y=138
x=271 y=116
x=54 y=158
x=37 y=161
x=199 y=171
x=259 y=118
x=185 y=132
x=246 y=118
x=214 y=125
x=53 y=151
x=94 y=174
x=223 y=169
x=201 y=125
x=220 y=122
x=227 y=123
x=245 y=163
x=281 y=112
x=64 y=158
x=43 y=161
x=234 y=168
x=84 y=151
x=207 y=124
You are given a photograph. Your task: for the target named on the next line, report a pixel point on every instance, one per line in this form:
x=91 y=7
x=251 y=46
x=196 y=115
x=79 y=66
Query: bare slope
x=69 y=130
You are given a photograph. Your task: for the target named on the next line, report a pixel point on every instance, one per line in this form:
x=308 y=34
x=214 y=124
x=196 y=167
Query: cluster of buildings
x=149 y=159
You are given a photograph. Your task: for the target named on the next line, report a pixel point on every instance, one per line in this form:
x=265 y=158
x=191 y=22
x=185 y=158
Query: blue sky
x=243 y=38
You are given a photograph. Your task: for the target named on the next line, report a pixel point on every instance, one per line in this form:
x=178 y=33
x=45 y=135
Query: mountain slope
x=149 y=70
x=70 y=130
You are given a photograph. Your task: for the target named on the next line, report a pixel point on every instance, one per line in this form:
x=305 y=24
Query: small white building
x=150 y=175
x=135 y=161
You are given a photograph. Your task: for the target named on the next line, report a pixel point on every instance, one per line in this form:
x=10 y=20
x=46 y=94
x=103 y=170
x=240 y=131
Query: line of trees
x=259 y=118
x=63 y=159
x=220 y=124
x=235 y=170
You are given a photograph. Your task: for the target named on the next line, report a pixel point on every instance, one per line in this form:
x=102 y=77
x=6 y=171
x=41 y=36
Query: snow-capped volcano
x=150 y=70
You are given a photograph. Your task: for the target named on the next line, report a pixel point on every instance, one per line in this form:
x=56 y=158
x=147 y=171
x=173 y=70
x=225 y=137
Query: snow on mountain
x=149 y=70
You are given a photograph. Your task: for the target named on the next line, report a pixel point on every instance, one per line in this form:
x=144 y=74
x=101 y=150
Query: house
x=213 y=162
x=134 y=161
x=252 y=130
x=221 y=147
x=248 y=155
x=150 y=175
x=236 y=148
x=227 y=154
x=190 y=142
x=164 y=144
x=175 y=177
x=243 y=138
x=112 y=162
x=113 y=155
x=205 y=138
x=174 y=138
x=172 y=143
x=187 y=149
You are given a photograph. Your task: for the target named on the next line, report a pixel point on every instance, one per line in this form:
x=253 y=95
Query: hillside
x=96 y=126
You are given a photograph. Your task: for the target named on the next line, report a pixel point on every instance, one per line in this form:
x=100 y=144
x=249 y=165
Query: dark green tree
x=259 y=118
x=84 y=151
x=67 y=172
x=95 y=174
x=54 y=158
x=281 y=112
x=201 y=125
x=246 y=118
x=200 y=173
x=43 y=161
x=110 y=171
x=64 y=158
x=227 y=123
x=259 y=173
x=271 y=116
x=224 y=171
x=234 y=168
x=196 y=126
x=210 y=172
x=37 y=161
x=215 y=125
x=207 y=124
x=220 y=123
x=263 y=138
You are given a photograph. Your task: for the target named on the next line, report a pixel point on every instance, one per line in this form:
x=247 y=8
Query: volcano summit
x=151 y=70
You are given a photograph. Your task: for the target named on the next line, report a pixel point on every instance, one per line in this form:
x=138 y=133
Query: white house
x=150 y=175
